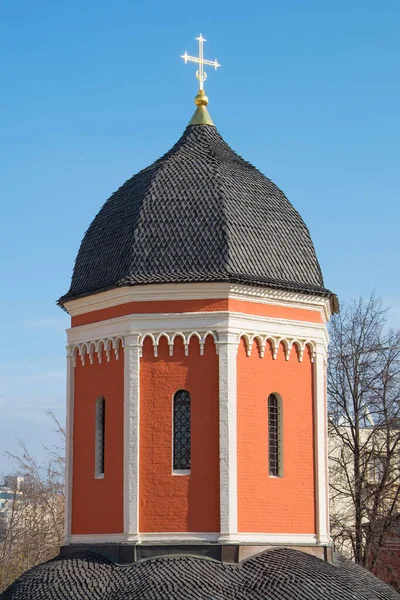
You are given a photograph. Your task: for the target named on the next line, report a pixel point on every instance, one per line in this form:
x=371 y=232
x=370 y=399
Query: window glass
x=273 y=435
x=100 y=431
x=181 y=458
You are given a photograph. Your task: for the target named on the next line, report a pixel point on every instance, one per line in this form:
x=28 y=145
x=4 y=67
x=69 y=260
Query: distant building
x=387 y=566
x=373 y=461
x=9 y=492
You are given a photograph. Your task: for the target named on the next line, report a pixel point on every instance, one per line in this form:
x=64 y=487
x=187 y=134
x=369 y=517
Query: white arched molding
x=69 y=443
x=94 y=349
x=184 y=336
x=131 y=435
x=228 y=436
x=262 y=339
x=321 y=445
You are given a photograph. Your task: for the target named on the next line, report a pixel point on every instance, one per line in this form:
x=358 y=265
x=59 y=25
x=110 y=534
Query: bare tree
x=34 y=527
x=364 y=428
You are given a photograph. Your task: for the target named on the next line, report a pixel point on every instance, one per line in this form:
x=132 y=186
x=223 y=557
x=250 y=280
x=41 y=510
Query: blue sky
x=93 y=91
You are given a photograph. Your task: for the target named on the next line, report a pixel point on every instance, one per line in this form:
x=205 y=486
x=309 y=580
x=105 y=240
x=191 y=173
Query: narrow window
x=99 y=442
x=181 y=449
x=274 y=436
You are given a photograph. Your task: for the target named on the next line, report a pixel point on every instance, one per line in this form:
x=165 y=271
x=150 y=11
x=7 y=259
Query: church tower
x=196 y=395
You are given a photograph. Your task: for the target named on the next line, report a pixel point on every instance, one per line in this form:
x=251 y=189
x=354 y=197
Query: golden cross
x=200 y=60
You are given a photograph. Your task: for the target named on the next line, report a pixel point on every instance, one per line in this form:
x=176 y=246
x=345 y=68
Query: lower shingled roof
x=280 y=574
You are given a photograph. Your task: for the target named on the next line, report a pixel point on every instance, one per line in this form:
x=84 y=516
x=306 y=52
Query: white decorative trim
x=186 y=338
x=94 y=349
x=198 y=291
x=69 y=443
x=188 y=324
x=101 y=538
x=262 y=340
x=228 y=434
x=281 y=328
x=282 y=539
x=276 y=538
x=325 y=539
x=154 y=538
x=131 y=434
x=176 y=537
x=320 y=439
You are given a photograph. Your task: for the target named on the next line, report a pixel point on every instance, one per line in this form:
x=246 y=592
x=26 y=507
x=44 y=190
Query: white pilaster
x=69 y=444
x=321 y=446
x=228 y=436
x=131 y=435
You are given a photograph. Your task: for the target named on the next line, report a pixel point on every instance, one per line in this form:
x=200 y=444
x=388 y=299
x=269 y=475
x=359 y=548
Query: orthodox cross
x=201 y=61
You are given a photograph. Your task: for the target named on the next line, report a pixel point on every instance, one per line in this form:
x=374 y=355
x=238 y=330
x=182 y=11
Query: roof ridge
x=221 y=198
x=159 y=166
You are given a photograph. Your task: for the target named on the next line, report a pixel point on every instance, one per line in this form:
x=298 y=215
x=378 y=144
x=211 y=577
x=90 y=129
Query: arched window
x=275 y=436
x=181 y=446
x=99 y=436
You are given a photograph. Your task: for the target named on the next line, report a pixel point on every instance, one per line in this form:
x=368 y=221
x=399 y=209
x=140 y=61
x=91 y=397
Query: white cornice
x=205 y=321
x=281 y=298
x=93 y=339
x=197 y=291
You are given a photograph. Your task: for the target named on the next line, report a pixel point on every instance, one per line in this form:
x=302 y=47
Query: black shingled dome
x=198 y=214
x=281 y=574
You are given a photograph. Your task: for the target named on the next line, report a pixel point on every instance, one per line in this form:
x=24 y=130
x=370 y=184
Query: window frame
x=280 y=470
x=181 y=472
x=100 y=437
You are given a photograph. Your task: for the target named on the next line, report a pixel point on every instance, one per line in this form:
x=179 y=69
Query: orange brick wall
x=275 y=310
x=267 y=504
x=179 y=503
x=97 y=504
x=160 y=306
x=208 y=305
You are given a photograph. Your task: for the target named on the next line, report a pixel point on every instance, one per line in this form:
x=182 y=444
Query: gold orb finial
x=201 y=99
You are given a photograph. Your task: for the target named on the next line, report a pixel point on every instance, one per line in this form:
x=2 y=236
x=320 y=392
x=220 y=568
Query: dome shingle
x=200 y=213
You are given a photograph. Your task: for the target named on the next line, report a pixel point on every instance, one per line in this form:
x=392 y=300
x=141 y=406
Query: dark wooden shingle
x=198 y=214
x=280 y=574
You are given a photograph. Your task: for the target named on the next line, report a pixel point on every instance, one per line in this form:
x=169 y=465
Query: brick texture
x=266 y=504
x=97 y=504
x=179 y=503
